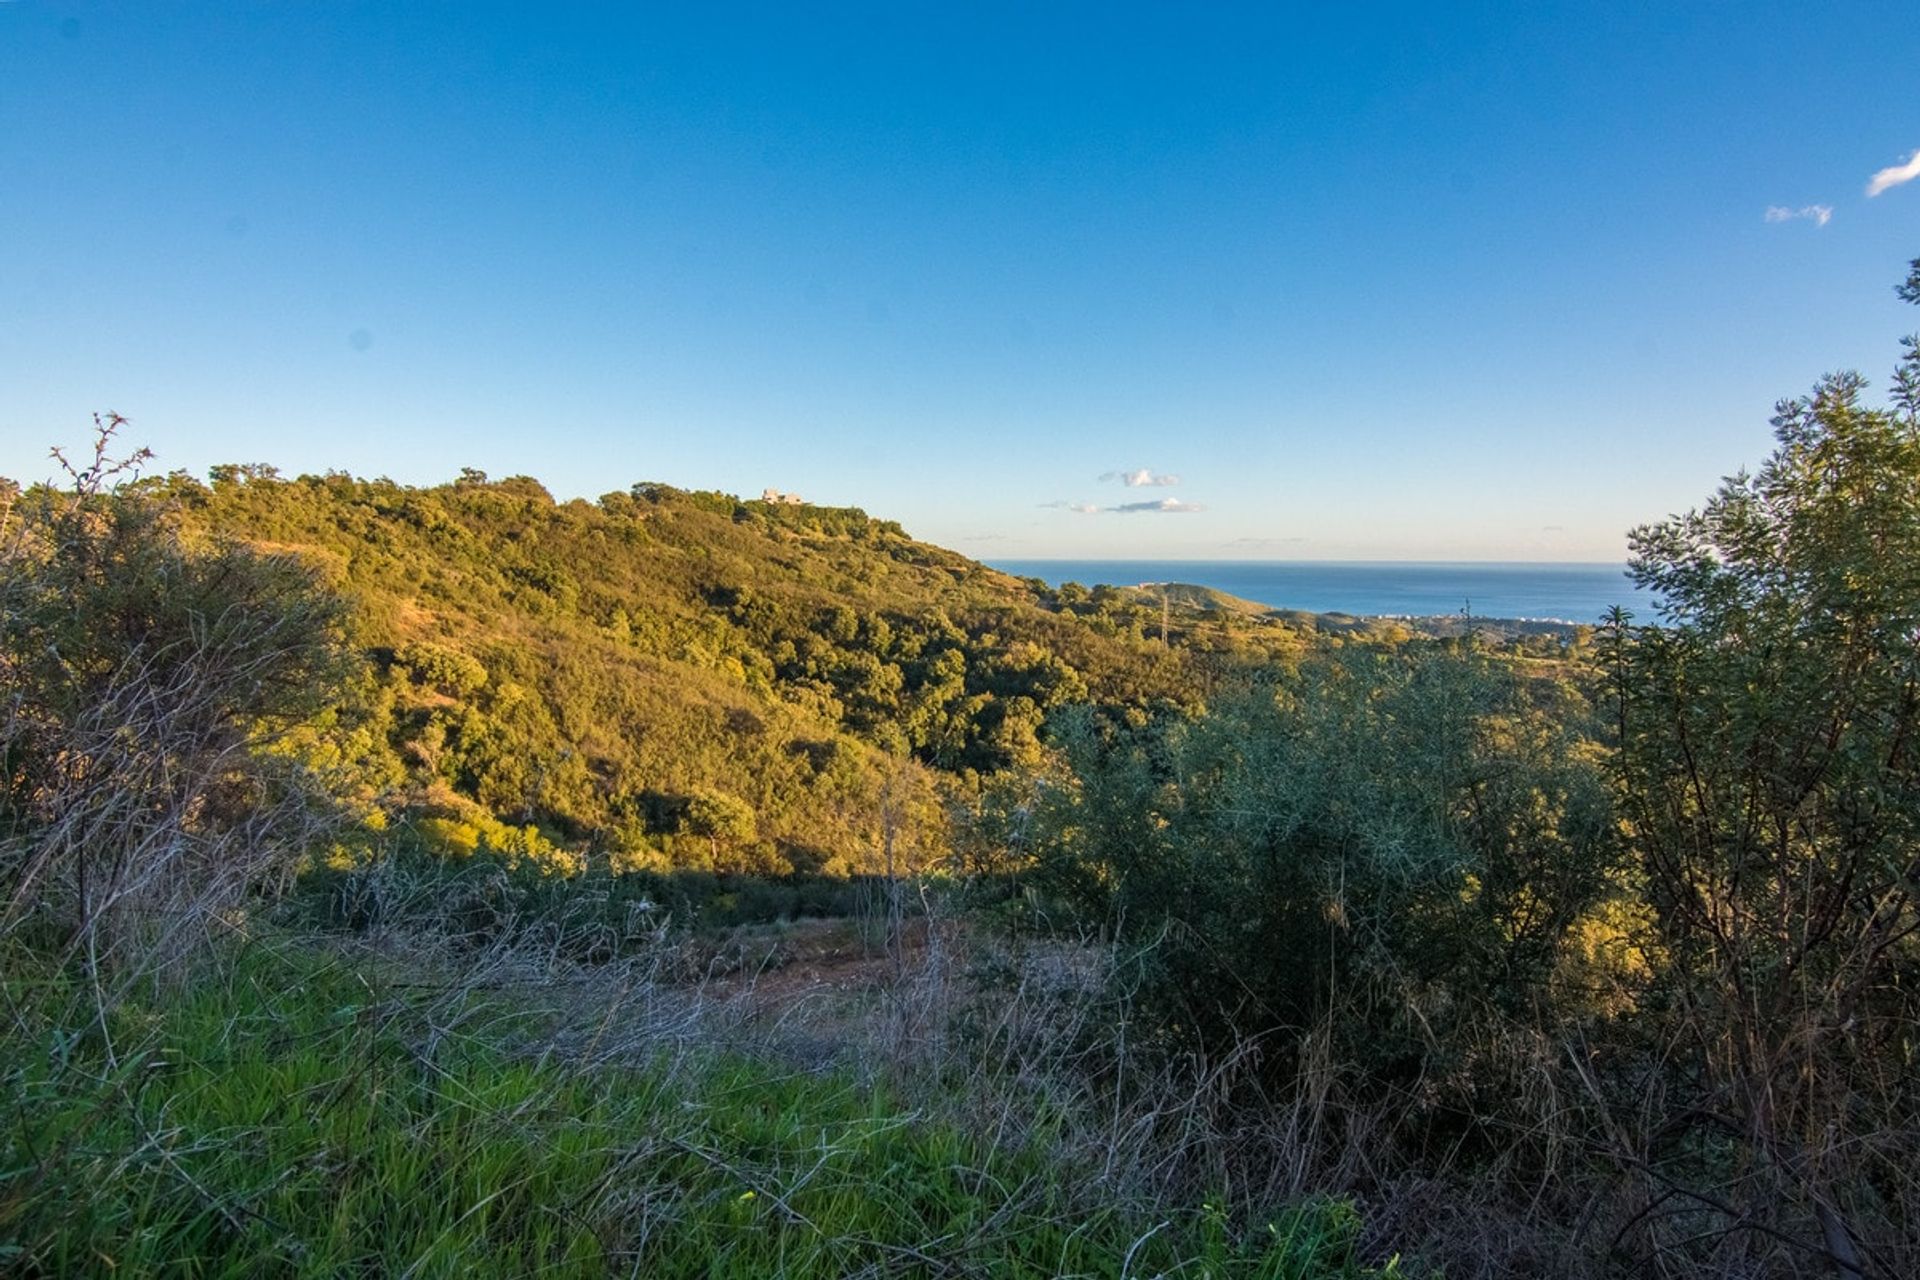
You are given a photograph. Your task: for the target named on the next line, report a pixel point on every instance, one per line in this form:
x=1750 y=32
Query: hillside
x=667 y=678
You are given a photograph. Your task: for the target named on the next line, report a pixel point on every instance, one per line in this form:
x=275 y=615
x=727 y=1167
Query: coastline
x=1561 y=594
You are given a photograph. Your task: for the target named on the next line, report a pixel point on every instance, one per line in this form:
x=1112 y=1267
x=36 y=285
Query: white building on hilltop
x=783 y=499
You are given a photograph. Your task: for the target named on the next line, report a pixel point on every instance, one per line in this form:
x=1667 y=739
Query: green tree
x=1769 y=773
x=723 y=818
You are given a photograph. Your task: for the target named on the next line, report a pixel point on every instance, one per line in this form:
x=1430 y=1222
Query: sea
x=1377 y=588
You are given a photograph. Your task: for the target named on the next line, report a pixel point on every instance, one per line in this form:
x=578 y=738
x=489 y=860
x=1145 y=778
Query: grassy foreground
x=302 y=1111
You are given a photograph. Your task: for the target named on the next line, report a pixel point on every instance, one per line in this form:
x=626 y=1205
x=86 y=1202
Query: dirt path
x=812 y=958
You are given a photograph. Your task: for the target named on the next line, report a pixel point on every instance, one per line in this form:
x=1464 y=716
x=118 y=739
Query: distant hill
x=1189 y=595
x=1193 y=598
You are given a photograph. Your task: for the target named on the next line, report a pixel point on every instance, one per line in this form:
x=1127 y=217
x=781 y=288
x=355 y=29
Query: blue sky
x=1424 y=282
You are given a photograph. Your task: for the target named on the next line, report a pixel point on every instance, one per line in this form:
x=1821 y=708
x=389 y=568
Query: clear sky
x=1423 y=281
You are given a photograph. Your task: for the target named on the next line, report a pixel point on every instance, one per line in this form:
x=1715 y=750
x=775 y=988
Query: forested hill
x=688 y=679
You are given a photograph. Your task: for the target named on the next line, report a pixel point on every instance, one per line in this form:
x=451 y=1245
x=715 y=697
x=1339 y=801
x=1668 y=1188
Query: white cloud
x=1818 y=214
x=1125 y=508
x=1141 y=478
x=1164 y=504
x=1893 y=175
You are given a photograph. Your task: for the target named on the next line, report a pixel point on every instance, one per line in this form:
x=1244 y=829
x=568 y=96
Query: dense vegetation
x=1259 y=949
x=670 y=679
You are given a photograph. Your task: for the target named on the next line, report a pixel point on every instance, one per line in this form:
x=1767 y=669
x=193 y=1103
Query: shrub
x=1386 y=854
x=143 y=677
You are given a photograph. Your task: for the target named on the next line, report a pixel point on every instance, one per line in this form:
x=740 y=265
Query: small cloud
x=1125 y=508
x=983 y=537
x=1165 y=504
x=1553 y=528
x=1893 y=175
x=1258 y=543
x=1141 y=478
x=1818 y=214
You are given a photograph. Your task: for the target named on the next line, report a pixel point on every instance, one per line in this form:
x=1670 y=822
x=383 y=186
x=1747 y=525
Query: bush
x=1386 y=854
x=144 y=680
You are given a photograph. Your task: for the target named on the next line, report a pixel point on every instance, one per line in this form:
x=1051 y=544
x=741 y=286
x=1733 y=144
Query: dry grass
x=421 y=1101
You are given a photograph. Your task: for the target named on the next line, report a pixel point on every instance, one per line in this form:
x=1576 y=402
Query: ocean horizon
x=1535 y=591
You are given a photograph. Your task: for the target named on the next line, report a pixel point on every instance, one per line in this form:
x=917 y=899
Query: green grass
x=298 y=1115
